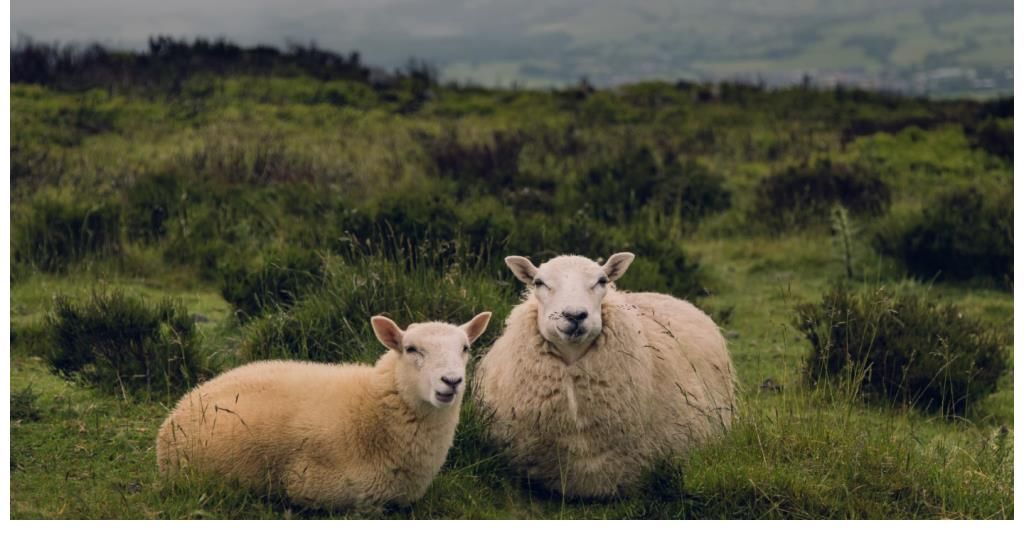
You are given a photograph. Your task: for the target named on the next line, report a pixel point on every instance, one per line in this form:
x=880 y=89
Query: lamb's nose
x=452 y=381
x=575 y=316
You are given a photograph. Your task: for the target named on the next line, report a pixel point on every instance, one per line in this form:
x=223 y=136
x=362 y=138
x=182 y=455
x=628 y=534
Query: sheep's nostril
x=575 y=316
x=452 y=381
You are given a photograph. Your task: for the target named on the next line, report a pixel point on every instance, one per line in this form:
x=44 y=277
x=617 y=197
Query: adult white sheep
x=331 y=436
x=589 y=385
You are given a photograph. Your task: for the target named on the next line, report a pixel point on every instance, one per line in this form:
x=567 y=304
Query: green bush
x=902 y=348
x=126 y=345
x=277 y=280
x=484 y=167
x=56 y=230
x=994 y=136
x=619 y=190
x=332 y=324
x=965 y=233
x=802 y=196
x=150 y=206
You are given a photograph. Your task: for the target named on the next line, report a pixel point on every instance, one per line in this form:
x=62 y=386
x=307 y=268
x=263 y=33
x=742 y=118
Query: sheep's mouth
x=443 y=397
x=574 y=332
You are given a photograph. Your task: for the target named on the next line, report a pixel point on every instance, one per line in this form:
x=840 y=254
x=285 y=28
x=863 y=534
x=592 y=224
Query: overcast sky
x=376 y=27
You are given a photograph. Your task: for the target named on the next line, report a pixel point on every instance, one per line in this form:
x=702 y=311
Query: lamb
x=588 y=386
x=330 y=436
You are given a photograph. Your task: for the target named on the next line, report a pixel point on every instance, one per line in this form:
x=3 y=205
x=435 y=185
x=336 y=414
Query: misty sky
x=379 y=28
x=608 y=41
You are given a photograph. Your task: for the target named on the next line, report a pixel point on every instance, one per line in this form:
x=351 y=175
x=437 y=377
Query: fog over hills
x=937 y=47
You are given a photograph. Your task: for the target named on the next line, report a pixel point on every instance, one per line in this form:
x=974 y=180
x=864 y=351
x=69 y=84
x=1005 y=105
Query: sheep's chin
x=580 y=338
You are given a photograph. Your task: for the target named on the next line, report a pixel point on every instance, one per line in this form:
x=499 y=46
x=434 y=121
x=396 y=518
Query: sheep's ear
x=387 y=332
x=476 y=327
x=522 y=268
x=617 y=265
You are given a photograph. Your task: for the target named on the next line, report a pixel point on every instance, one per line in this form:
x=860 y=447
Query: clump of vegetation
x=966 y=233
x=331 y=324
x=994 y=136
x=277 y=280
x=902 y=349
x=619 y=190
x=57 y=230
x=24 y=405
x=126 y=345
x=151 y=204
x=493 y=167
x=805 y=195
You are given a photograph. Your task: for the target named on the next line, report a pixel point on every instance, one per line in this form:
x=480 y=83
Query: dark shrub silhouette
x=126 y=345
x=907 y=349
x=802 y=196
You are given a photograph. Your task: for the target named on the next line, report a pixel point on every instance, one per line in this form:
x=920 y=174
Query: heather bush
x=56 y=230
x=332 y=324
x=902 y=349
x=126 y=345
x=965 y=233
x=277 y=279
x=805 y=195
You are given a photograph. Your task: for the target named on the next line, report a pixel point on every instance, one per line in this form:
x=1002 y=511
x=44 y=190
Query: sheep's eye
x=411 y=350
x=601 y=282
x=538 y=283
x=465 y=348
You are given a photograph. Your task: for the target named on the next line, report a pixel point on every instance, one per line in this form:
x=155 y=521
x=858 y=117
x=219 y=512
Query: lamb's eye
x=411 y=350
x=465 y=348
x=601 y=282
x=538 y=283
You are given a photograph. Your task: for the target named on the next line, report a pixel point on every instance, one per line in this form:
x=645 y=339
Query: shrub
x=993 y=136
x=901 y=348
x=801 y=196
x=150 y=204
x=661 y=265
x=490 y=167
x=965 y=233
x=619 y=190
x=56 y=230
x=126 y=345
x=333 y=324
x=278 y=280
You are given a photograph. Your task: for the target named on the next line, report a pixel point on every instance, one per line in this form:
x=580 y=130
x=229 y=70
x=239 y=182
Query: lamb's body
x=335 y=436
x=657 y=381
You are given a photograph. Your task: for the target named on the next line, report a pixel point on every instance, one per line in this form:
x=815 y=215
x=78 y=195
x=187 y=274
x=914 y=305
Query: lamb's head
x=569 y=290
x=432 y=356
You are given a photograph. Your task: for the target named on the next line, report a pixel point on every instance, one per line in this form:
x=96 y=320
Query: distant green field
x=200 y=189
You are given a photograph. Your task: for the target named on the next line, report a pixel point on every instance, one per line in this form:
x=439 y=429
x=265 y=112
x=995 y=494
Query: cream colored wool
x=330 y=436
x=655 y=382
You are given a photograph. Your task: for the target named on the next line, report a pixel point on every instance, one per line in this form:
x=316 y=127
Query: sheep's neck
x=569 y=353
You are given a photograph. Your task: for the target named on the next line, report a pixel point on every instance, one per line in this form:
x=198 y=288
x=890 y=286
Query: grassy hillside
x=282 y=207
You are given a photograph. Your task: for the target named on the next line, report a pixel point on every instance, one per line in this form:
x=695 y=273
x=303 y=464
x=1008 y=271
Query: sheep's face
x=432 y=367
x=569 y=292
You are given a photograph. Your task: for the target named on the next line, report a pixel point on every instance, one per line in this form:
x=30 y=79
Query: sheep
x=589 y=386
x=330 y=436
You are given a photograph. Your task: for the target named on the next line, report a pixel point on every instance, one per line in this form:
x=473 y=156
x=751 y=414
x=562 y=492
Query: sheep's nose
x=452 y=381
x=575 y=316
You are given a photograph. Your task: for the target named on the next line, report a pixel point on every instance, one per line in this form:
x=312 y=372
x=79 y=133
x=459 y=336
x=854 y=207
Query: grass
x=793 y=454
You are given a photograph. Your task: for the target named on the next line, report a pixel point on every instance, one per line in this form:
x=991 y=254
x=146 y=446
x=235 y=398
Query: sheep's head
x=433 y=356
x=569 y=290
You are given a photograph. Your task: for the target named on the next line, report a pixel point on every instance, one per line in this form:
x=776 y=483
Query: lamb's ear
x=617 y=265
x=476 y=327
x=387 y=332
x=522 y=268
